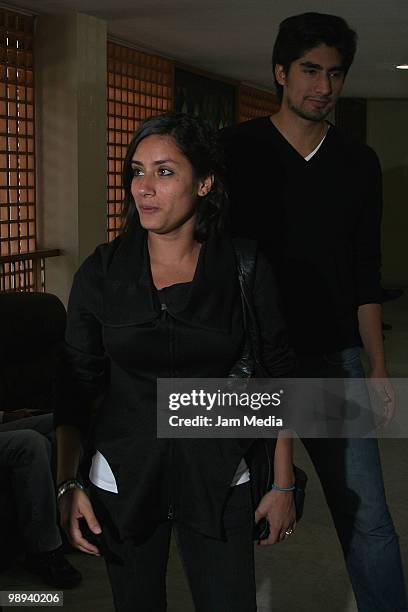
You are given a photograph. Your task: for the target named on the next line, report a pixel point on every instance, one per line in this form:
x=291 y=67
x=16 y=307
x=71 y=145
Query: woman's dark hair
x=199 y=143
x=300 y=33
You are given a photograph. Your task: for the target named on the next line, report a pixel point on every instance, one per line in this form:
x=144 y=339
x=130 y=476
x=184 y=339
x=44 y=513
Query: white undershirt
x=316 y=149
x=102 y=476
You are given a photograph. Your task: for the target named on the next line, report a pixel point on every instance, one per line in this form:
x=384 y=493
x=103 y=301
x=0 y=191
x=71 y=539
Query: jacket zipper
x=165 y=316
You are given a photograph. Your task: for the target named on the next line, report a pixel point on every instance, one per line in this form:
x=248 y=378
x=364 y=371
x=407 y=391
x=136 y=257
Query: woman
x=163 y=300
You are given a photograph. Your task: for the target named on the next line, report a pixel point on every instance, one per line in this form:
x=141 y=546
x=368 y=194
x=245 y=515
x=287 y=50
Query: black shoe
x=54 y=569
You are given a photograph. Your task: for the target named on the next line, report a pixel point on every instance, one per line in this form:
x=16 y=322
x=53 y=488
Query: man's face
x=313 y=83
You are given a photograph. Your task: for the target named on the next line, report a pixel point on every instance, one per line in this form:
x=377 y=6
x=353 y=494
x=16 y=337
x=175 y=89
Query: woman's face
x=164 y=187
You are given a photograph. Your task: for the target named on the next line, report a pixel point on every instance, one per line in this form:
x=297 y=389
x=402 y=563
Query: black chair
x=32 y=327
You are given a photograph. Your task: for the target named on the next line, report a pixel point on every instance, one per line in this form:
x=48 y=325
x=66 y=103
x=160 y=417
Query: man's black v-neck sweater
x=318 y=221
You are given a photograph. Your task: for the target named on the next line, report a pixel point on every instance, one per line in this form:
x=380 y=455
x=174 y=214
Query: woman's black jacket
x=119 y=341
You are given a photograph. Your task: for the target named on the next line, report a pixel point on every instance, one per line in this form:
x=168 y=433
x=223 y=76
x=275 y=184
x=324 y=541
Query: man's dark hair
x=199 y=143
x=301 y=33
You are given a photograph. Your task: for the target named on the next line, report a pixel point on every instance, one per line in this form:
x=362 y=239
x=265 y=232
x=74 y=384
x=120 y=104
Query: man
x=25 y=460
x=312 y=197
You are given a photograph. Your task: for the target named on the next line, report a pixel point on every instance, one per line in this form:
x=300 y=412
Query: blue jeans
x=351 y=477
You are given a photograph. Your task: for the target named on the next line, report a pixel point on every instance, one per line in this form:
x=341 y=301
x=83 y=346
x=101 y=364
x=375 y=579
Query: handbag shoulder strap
x=245 y=253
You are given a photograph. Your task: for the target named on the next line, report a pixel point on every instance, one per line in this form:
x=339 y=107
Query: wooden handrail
x=41 y=254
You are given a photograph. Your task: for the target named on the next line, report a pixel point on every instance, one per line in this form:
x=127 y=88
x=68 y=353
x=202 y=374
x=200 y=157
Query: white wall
x=70 y=65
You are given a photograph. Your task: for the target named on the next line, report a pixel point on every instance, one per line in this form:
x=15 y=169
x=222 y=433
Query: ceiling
x=234 y=38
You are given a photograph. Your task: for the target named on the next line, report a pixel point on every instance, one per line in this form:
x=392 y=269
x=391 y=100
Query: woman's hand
x=74 y=505
x=278 y=508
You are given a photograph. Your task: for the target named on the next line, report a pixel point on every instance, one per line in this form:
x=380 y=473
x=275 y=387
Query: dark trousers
x=220 y=573
x=26 y=456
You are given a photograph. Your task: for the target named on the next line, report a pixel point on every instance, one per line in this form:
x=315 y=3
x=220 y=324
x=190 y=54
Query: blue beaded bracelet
x=284 y=489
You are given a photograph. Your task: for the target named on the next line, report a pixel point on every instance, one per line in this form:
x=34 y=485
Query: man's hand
x=370 y=327
x=385 y=396
x=278 y=508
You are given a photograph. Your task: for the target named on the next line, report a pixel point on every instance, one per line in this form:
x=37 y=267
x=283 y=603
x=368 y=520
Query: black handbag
x=245 y=252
